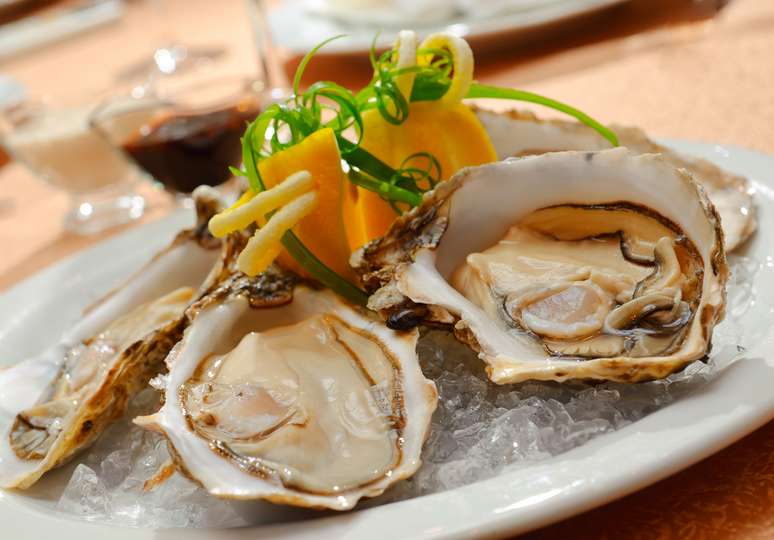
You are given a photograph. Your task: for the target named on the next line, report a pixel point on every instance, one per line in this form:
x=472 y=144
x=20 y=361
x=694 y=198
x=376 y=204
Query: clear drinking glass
x=184 y=134
x=58 y=143
x=172 y=54
x=269 y=57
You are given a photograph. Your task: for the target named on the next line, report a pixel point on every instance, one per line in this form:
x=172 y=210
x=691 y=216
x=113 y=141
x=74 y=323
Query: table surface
x=692 y=69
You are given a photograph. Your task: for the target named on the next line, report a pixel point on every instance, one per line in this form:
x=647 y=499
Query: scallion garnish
x=387 y=190
x=485 y=91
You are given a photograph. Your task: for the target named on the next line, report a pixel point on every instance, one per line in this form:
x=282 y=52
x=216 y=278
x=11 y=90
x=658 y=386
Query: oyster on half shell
x=282 y=392
x=519 y=133
x=588 y=265
x=58 y=403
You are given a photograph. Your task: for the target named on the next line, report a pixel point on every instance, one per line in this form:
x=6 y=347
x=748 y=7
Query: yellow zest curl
x=252 y=208
x=462 y=77
x=265 y=245
x=406 y=51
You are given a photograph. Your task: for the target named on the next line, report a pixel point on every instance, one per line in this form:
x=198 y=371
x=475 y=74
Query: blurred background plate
x=286 y=18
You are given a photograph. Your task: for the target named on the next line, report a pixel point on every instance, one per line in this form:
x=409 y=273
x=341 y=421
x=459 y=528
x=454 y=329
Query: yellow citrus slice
x=451 y=133
x=304 y=185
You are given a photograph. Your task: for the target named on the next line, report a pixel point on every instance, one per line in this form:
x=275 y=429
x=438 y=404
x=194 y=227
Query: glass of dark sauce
x=184 y=135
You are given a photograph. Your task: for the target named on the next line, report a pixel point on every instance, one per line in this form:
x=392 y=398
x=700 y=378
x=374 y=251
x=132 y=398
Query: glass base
x=93 y=213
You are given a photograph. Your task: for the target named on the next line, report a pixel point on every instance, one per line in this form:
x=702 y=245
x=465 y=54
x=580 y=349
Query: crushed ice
x=107 y=485
x=479 y=430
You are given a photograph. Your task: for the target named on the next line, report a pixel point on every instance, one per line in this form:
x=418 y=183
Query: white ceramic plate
x=734 y=403
x=290 y=15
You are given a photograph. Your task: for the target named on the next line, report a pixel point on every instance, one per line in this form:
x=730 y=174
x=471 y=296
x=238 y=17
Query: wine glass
x=171 y=54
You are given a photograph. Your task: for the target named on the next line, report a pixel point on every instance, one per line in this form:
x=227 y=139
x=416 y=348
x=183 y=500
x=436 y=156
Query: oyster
x=520 y=133
x=587 y=265
x=282 y=392
x=58 y=403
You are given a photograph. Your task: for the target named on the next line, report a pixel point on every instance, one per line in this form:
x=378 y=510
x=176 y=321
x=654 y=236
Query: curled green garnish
x=419 y=178
x=389 y=191
x=484 y=91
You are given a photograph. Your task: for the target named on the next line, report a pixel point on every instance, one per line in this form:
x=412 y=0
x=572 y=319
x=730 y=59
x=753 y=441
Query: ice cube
x=86 y=495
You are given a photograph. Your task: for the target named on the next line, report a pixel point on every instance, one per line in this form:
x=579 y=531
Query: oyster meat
x=283 y=392
x=588 y=265
x=520 y=133
x=56 y=404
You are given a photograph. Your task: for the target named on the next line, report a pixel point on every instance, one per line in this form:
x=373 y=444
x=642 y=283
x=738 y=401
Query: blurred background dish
x=426 y=13
x=361 y=19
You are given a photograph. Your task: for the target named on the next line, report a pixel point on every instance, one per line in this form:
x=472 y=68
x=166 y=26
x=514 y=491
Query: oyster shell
x=58 y=403
x=283 y=392
x=519 y=133
x=588 y=265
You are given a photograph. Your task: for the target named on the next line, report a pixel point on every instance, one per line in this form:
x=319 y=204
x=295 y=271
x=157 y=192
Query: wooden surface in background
x=692 y=69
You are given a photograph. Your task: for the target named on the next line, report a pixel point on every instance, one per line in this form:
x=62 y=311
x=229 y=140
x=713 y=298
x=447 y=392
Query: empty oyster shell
x=283 y=392
x=56 y=404
x=589 y=265
x=520 y=133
